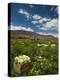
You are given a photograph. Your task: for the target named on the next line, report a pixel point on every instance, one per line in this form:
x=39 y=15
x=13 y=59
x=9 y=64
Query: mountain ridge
x=28 y=34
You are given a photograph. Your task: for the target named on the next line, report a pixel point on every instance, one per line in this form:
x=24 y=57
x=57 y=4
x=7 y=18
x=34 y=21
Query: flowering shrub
x=21 y=64
x=22 y=59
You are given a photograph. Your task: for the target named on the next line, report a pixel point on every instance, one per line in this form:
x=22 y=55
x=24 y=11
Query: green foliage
x=44 y=59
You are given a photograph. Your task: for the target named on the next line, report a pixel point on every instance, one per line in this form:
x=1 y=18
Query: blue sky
x=42 y=19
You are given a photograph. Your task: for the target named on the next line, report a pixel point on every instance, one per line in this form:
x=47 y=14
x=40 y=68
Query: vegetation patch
x=41 y=55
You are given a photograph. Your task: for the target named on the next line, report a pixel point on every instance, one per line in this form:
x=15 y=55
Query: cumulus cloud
x=12 y=27
x=40 y=20
x=49 y=28
x=47 y=23
x=36 y=17
x=53 y=23
x=25 y=13
x=44 y=19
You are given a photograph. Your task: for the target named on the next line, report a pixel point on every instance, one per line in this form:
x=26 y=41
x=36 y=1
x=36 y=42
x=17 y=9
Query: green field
x=44 y=59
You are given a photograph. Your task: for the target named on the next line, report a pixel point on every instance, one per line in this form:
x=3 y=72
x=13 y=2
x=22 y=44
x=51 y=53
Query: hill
x=28 y=34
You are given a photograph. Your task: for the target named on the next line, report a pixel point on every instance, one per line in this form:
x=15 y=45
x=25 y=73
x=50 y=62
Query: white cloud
x=49 y=23
x=25 y=13
x=53 y=23
x=34 y=22
x=12 y=27
x=44 y=33
x=44 y=19
x=28 y=15
x=41 y=28
x=40 y=20
x=36 y=17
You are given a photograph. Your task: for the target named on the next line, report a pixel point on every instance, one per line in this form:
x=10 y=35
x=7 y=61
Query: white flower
x=41 y=63
x=53 y=45
x=44 y=59
x=16 y=58
x=40 y=57
x=28 y=59
x=22 y=59
x=45 y=45
x=38 y=45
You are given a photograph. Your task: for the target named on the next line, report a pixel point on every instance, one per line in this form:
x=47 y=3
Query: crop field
x=43 y=55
